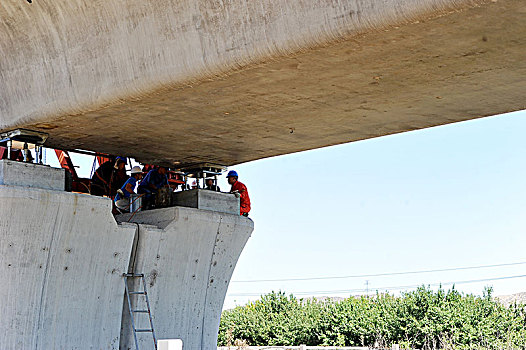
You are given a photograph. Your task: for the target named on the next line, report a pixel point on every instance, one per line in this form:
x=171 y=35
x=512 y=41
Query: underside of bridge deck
x=361 y=75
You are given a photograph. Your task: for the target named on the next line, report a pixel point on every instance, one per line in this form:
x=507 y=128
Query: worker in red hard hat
x=240 y=191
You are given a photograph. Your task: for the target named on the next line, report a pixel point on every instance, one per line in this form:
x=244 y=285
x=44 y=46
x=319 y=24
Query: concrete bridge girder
x=235 y=81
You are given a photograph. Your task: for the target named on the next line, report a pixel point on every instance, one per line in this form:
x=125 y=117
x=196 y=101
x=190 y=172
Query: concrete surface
x=31 y=175
x=233 y=81
x=207 y=200
x=188 y=256
x=62 y=256
x=61 y=260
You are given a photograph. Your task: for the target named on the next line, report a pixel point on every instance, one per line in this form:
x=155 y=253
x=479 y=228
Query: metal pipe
x=38 y=153
x=89 y=153
x=9 y=147
x=26 y=153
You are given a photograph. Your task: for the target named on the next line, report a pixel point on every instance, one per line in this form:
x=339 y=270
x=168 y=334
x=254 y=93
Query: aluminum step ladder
x=144 y=293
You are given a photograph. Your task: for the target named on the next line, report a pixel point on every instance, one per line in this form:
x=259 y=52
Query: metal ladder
x=133 y=312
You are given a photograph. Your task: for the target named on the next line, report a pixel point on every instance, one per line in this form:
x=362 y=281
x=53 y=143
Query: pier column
x=62 y=256
x=188 y=256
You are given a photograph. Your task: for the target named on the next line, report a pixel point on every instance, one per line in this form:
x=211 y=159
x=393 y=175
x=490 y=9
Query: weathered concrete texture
x=61 y=260
x=207 y=200
x=31 y=175
x=188 y=257
x=233 y=81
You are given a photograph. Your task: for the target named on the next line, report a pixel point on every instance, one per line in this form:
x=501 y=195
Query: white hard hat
x=136 y=170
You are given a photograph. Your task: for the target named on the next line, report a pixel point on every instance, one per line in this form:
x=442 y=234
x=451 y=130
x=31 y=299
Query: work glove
x=121 y=194
x=237 y=194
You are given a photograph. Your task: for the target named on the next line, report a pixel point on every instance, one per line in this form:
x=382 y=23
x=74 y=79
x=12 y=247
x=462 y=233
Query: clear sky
x=445 y=197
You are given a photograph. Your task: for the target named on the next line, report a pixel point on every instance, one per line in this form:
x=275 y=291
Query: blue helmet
x=232 y=173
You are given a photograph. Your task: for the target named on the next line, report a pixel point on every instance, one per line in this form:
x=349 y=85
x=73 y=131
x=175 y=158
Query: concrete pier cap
x=63 y=256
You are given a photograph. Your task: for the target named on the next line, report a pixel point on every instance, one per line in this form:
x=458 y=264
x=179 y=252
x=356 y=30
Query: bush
x=419 y=319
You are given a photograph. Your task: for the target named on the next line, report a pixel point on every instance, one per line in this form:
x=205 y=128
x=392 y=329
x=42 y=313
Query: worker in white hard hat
x=122 y=199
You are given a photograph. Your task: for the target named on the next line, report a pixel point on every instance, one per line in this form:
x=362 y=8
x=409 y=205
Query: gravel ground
x=509 y=299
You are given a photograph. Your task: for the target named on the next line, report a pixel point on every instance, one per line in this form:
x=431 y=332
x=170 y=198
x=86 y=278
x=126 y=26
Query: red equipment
x=78 y=184
x=16 y=154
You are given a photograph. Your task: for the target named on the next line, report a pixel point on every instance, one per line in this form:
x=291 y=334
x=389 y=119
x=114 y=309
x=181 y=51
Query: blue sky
x=450 y=196
x=444 y=197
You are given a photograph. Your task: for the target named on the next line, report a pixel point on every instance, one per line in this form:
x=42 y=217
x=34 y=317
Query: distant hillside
x=510 y=299
x=325 y=298
x=503 y=299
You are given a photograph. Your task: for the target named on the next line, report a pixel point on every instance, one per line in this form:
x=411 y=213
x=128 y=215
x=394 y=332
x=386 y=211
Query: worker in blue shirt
x=122 y=199
x=150 y=185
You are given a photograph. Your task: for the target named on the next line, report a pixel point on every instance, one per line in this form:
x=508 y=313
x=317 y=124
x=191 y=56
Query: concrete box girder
x=229 y=82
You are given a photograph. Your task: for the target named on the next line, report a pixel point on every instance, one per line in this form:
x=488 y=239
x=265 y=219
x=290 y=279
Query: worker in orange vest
x=240 y=191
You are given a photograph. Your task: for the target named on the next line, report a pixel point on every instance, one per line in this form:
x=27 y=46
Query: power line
x=389 y=288
x=381 y=274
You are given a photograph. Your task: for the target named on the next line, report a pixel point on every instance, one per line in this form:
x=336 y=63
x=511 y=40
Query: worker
x=150 y=185
x=122 y=199
x=240 y=191
x=210 y=185
x=104 y=180
x=119 y=176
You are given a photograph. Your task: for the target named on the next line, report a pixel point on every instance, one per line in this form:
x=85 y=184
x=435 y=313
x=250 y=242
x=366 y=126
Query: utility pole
x=367 y=287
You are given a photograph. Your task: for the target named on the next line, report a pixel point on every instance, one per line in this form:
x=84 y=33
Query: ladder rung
x=132 y=311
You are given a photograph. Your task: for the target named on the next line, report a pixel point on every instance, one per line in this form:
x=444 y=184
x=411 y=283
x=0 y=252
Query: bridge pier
x=62 y=256
x=188 y=256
